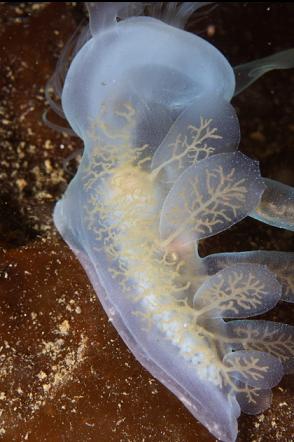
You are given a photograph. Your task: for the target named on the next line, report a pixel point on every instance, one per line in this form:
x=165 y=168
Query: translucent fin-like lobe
x=210 y=197
x=208 y=126
x=254 y=368
x=241 y=290
x=270 y=337
x=279 y=263
x=276 y=207
x=253 y=400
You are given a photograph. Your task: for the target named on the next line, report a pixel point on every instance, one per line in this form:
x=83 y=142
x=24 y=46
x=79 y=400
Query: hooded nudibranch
x=160 y=171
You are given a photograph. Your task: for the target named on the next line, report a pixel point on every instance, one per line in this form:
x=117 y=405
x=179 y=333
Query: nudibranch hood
x=147 y=58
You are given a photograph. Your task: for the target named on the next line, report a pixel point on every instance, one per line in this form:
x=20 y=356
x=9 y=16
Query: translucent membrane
x=158 y=173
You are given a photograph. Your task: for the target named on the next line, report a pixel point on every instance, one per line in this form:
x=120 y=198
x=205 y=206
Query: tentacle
x=56 y=127
x=180 y=15
x=248 y=73
x=105 y=14
x=54 y=86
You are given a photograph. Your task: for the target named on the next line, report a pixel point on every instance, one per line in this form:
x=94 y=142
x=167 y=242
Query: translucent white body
x=160 y=172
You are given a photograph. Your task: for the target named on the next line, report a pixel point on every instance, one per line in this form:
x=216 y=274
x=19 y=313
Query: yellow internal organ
x=130 y=182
